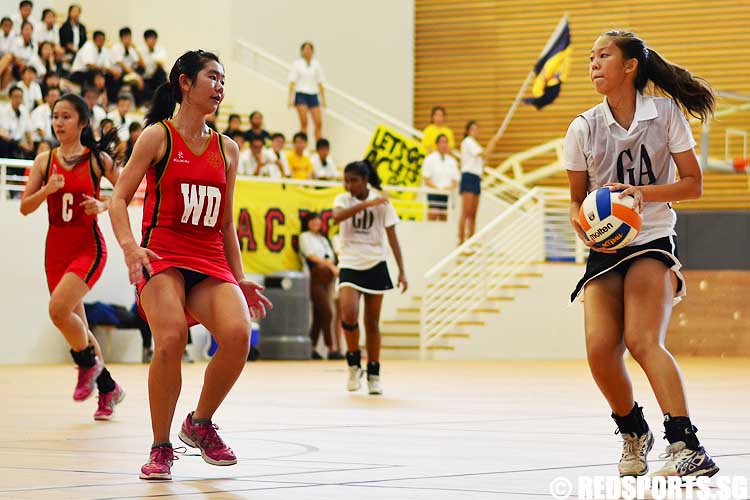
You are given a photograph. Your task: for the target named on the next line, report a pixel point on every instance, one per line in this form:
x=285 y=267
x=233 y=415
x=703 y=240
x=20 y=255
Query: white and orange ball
x=608 y=220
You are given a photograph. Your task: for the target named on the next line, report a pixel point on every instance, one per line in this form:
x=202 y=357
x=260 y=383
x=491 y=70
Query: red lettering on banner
x=245 y=231
x=273 y=216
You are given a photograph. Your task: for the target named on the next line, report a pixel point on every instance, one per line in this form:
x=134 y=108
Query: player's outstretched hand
x=256 y=301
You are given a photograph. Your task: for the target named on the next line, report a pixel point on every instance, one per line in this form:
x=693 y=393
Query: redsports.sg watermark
x=646 y=487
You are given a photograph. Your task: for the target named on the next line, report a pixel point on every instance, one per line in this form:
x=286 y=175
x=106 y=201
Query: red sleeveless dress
x=184 y=207
x=74 y=242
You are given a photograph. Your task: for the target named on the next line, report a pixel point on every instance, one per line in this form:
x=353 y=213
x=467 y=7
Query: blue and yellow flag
x=552 y=68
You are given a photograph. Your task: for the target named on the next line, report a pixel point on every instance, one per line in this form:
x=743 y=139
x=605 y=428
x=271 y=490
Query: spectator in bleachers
x=53 y=80
x=324 y=167
x=233 y=125
x=264 y=162
x=97 y=113
x=46 y=62
x=24 y=50
x=134 y=130
x=23 y=15
x=256 y=128
x=106 y=126
x=47 y=31
x=15 y=129
x=440 y=171
x=306 y=91
x=100 y=83
x=130 y=62
x=7 y=38
x=434 y=129
x=32 y=92
x=154 y=59
x=41 y=117
x=91 y=57
x=121 y=116
x=72 y=32
x=243 y=166
x=317 y=253
x=297 y=159
x=277 y=148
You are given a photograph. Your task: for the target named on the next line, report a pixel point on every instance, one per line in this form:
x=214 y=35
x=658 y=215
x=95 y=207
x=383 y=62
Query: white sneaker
x=373 y=384
x=682 y=461
x=634 y=454
x=355 y=374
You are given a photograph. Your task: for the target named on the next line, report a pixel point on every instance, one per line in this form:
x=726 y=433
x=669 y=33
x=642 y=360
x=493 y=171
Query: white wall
x=367 y=52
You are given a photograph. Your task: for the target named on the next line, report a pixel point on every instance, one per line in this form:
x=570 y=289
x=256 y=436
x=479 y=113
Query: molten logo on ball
x=601 y=231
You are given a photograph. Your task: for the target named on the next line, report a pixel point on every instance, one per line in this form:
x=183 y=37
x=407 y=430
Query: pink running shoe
x=87 y=380
x=205 y=438
x=107 y=402
x=159 y=465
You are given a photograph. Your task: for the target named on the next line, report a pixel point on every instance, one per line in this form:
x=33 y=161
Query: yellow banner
x=398 y=160
x=268 y=218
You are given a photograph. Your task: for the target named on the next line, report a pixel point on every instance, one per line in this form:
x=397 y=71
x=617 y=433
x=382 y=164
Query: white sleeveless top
x=640 y=156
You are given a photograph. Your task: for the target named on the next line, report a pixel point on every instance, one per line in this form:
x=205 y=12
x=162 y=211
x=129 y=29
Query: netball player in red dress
x=67 y=177
x=188 y=265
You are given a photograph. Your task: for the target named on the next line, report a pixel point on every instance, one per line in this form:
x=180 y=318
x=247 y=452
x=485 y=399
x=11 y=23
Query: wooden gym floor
x=443 y=430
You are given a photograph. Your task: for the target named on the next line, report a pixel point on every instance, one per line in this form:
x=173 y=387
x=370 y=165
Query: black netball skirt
x=661 y=249
x=375 y=280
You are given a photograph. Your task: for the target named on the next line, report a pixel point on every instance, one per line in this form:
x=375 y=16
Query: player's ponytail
x=169 y=94
x=691 y=92
x=108 y=142
x=365 y=169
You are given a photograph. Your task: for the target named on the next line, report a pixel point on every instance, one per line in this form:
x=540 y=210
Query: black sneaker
x=315 y=355
x=335 y=355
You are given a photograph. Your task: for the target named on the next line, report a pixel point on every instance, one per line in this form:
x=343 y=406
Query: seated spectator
x=121 y=116
x=51 y=80
x=299 y=163
x=32 y=92
x=7 y=38
x=46 y=62
x=15 y=129
x=134 y=130
x=130 y=62
x=91 y=96
x=435 y=128
x=47 y=31
x=323 y=166
x=154 y=61
x=72 y=33
x=41 y=118
x=105 y=127
x=319 y=259
x=233 y=125
x=277 y=148
x=264 y=162
x=23 y=15
x=256 y=128
x=244 y=162
x=24 y=50
x=440 y=171
x=100 y=83
x=95 y=57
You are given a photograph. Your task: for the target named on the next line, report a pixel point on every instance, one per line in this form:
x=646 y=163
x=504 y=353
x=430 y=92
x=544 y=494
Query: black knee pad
x=348 y=327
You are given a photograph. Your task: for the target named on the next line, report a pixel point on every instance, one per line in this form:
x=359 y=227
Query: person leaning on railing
x=440 y=171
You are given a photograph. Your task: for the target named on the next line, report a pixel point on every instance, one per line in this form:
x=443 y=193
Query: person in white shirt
x=154 y=60
x=243 y=165
x=324 y=168
x=320 y=261
x=23 y=15
x=277 y=148
x=473 y=157
x=120 y=116
x=440 y=171
x=366 y=219
x=41 y=117
x=128 y=58
x=7 y=38
x=636 y=144
x=306 y=91
x=263 y=162
x=32 y=92
x=15 y=129
x=47 y=31
x=96 y=112
x=24 y=49
x=91 y=57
